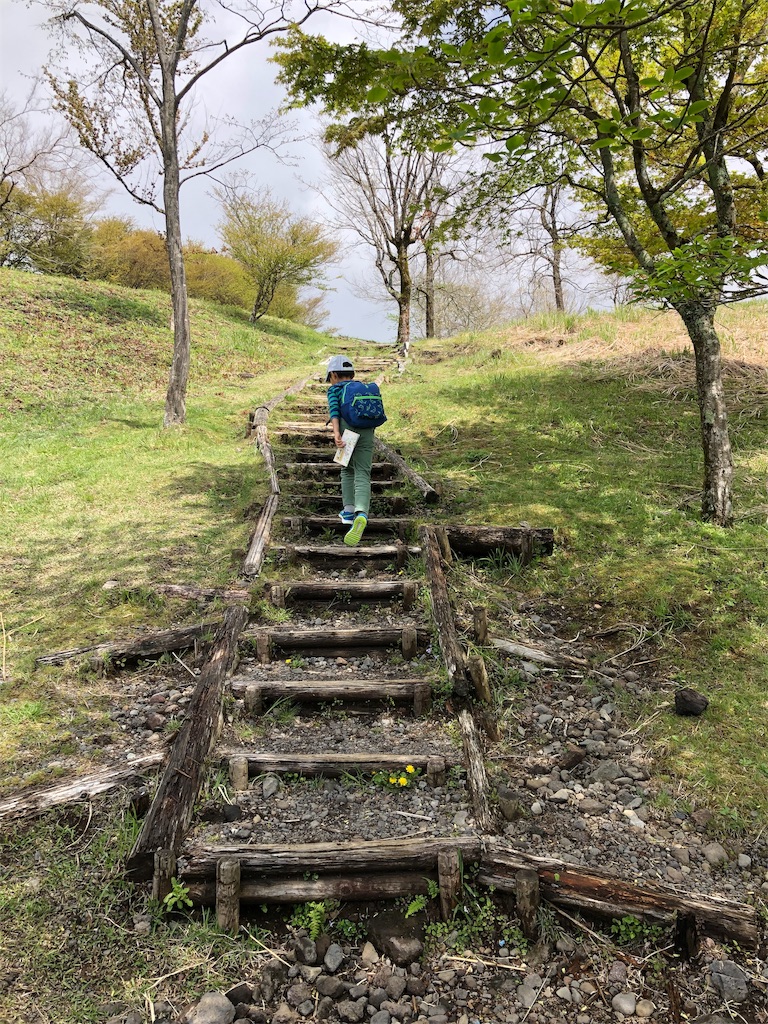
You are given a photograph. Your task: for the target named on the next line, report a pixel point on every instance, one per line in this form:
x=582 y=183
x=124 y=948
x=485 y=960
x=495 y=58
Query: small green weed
x=629 y=930
x=420 y=902
x=178 y=897
x=313 y=916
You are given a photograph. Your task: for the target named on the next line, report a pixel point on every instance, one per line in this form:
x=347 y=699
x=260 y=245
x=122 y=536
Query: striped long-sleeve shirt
x=334 y=400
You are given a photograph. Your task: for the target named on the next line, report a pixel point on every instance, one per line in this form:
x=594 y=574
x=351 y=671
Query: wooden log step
x=342 y=553
x=282 y=434
x=522 y=542
x=338 y=590
x=376 y=524
x=310 y=454
x=352 y=691
x=334 y=765
x=379 y=470
x=82 y=787
x=188 y=591
x=392 y=504
x=602 y=894
x=326 y=858
x=331 y=485
x=343 y=887
x=286 y=639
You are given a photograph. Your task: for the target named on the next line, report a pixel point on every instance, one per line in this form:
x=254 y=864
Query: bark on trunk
x=170 y=816
x=429 y=293
x=404 y=302
x=717 y=500
x=176 y=396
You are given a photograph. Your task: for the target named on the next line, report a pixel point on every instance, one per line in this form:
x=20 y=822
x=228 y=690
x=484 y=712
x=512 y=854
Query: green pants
x=356 y=477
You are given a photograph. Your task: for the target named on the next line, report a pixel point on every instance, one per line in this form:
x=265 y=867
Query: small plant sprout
x=178 y=897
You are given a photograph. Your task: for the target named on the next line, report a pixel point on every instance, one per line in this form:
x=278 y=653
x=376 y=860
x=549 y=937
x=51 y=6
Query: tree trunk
x=429 y=293
x=404 y=302
x=176 y=396
x=716 y=502
x=548 y=217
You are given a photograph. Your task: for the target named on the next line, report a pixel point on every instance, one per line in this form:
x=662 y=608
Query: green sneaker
x=353 y=537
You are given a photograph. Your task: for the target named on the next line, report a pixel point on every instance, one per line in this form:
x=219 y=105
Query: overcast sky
x=243 y=87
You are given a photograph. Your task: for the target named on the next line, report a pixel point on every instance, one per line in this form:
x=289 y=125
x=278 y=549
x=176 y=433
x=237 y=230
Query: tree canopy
x=660 y=106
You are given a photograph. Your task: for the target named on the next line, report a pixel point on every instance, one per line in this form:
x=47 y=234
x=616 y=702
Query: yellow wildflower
x=403 y=780
x=392 y=779
x=410 y=769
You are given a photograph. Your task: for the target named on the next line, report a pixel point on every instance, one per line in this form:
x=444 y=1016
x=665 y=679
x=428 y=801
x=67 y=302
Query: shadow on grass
x=116 y=308
x=602 y=456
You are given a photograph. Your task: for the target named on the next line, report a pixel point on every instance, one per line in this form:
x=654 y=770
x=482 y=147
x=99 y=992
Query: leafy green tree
x=45 y=231
x=123 y=254
x=274 y=246
x=216 y=277
x=661 y=106
x=140 y=68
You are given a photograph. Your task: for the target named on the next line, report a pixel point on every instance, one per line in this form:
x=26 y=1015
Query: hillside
x=584 y=424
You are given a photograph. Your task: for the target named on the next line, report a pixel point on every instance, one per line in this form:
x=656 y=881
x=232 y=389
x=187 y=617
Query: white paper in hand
x=343 y=455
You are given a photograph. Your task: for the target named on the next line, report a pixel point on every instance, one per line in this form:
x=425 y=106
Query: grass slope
x=587 y=424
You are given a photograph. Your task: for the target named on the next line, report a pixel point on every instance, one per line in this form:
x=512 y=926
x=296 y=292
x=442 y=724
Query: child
x=356 y=477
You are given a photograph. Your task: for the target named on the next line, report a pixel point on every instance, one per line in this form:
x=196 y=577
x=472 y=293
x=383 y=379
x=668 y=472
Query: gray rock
x=310 y=974
x=334 y=958
x=381 y=1017
x=591 y=806
x=398 y=938
x=644 y=1008
x=284 y=1015
x=617 y=973
x=527 y=996
x=298 y=994
x=273 y=975
x=729 y=980
x=351 y=1012
x=395 y=987
x=270 y=786
x=213 y=1008
x=333 y=987
x=307 y=1008
x=509 y=805
x=606 y=771
x=376 y=997
x=240 y=993
x=325 y=1008
x=305 y=950
x=715 y=855
x=625 y=1002
x=369 y=954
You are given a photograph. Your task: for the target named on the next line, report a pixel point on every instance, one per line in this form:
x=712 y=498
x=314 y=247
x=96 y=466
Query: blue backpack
x=362 y=406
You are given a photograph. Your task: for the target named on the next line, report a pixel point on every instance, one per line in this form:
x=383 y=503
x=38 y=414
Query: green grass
x=93 y=489
x=607 y=451
x=587 y=424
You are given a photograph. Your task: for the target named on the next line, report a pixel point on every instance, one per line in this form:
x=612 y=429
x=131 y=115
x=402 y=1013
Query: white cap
x=339 y=364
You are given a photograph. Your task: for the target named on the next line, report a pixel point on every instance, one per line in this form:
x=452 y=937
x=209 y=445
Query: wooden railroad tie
x=331 y=765
x=255 y=695
x=341 y=591
x=268 y=639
